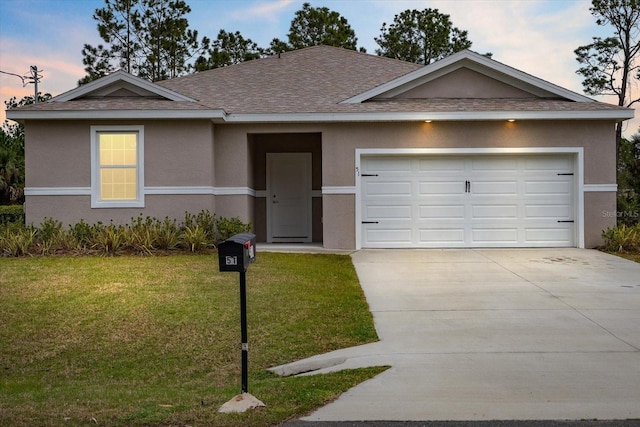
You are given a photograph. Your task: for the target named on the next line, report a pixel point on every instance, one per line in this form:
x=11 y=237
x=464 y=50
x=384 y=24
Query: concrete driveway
x=493 y=334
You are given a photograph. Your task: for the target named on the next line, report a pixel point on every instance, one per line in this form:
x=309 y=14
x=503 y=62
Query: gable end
x=121 y=80
x=477 y=63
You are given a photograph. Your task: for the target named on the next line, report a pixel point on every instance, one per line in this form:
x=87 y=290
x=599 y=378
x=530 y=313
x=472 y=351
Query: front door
x=289 y=197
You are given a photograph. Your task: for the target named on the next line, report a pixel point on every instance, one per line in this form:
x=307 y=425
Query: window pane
x=118 y=184
x=118 y=149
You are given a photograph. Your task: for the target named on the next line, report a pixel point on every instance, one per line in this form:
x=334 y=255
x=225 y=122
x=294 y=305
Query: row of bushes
x=144 y=236
x=622 y=238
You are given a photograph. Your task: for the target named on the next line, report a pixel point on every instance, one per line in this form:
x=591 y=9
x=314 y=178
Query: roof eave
x=222 y=117
x=613 y=115
x=216 y=115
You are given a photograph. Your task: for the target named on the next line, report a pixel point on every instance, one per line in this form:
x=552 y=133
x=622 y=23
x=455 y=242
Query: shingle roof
x=308 y=80
x=314 y=80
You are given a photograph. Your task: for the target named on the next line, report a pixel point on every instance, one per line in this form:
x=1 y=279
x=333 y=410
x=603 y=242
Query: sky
x=534 y=36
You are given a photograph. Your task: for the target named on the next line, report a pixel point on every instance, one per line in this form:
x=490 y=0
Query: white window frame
x=96 y=201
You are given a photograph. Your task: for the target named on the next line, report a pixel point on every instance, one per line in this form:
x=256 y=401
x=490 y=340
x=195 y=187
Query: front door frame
x=306 y=160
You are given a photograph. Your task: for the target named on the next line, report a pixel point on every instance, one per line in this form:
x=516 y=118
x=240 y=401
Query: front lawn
x=156 y=340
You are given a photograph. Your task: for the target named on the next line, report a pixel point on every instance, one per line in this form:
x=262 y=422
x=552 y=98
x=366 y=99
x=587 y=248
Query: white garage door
x=467 y=201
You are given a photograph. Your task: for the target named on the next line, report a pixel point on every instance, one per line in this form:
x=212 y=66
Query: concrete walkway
x=527 y=334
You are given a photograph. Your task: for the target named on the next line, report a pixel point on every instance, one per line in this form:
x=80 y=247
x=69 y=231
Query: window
x=117 y=166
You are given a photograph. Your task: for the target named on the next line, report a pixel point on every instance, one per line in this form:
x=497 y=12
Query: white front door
x=289 y=197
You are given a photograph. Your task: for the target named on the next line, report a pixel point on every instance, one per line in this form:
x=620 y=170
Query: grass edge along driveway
x=156 y=340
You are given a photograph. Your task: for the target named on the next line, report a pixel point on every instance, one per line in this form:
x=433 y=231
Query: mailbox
x=237 y=252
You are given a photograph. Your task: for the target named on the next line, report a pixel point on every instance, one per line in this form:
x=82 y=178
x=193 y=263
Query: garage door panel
x=503 y=164
x=388 y=212
x=504 y=236
x=560 y=164
x=387 y=189
x=547 y=187
x=441 y=166
x=498 y=212
x=387 y=164
x=399 y=236
x=449 y=187
x=549 y=211
x=424 y=201
x=494 y=187
x=427 y=212
x=442 y=236
x=549 y=236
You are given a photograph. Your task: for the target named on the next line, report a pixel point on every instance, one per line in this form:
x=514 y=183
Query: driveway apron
x=487 y=334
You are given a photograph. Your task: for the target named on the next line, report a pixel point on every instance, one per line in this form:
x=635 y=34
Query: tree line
x=152 y=39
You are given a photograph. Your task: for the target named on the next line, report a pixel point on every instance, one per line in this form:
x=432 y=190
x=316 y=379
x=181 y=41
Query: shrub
x=628 y=210
x=228 y=227
x=141 y=235
x=195 y=238
x=109 y=240
x=168 y=234
x=205 y=221
x=11 y=214
x=49 y=235
x=80 y=237
x=17 y=240
x=622 y=238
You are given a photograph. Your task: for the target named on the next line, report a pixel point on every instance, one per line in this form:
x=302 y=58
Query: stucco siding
x=600 y=215
x=179 y=153
x=57 y=154
x=232 y=157
x=339 y=212
x=71 y=209
x=465 y=83
x=242 y=207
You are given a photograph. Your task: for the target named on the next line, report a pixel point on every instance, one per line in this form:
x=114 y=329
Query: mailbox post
x=236 y=254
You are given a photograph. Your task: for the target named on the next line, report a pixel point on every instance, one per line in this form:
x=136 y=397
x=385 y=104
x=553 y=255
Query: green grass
x=633 y=256
x=155 y=340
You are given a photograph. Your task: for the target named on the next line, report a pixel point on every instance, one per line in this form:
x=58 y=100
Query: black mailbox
x=237 y=252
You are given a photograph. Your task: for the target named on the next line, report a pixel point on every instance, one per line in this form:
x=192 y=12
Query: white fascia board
x=117 y=114
x=441 y=67
x=222 y=117
x=115 y=77
x=422 y=116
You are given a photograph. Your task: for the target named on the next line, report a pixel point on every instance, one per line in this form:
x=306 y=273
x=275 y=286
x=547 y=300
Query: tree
x=97 y=62
x=320 y=26
x=314 y=26
x=118 y=23
x=629 y=180
x=11 y=169
x=228 y=49
x=166 y=42
x=148 y=38
x=278 y=46
x=609 y=65
x=421 y=37
x=12 y=154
